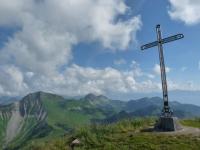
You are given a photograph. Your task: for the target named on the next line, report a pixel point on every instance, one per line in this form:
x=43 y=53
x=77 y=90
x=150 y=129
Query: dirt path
x=184 y=131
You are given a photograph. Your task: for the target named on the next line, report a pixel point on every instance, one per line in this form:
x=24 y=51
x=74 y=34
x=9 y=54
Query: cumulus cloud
x=187 y=85
x=11 y=81
x=77 y=80
x=120 y=61
x=183 y=68
x=186 y=11
x=156 y=69
x=47 y=31
x=50 y=28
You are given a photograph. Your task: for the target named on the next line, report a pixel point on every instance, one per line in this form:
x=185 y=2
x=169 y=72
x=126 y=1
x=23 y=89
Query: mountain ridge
x=41 y=114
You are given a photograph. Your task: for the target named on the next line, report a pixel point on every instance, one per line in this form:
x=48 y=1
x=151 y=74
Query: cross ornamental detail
x=166 y=109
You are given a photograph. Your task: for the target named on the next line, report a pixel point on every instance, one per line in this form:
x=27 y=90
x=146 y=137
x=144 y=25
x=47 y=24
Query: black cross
x=159 y=42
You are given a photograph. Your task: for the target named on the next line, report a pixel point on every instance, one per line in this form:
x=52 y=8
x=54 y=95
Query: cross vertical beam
x=166 y=109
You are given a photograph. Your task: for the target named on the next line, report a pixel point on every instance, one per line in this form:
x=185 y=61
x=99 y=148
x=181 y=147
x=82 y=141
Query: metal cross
x=166 y=109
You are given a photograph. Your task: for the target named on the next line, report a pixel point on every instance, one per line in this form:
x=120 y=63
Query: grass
x=26 y=133
x=68 y=112
x=61 y=119
x=3 y=124
x=56 y=113
x=191 y=122
x=124 y=135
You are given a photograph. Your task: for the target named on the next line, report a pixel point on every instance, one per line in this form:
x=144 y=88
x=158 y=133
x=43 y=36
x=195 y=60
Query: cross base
x=167 y=123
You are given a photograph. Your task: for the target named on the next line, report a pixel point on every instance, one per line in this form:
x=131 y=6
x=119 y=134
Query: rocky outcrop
x=6 y=112
x=19 y=113
x=31 y=106
x=15 y=124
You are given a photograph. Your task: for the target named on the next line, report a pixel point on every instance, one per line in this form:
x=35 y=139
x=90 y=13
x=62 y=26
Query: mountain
x=23 y=119
x=43 y=115
x=151 y=105
x=131 y=134
x=102 y=102
x=182 y=96
x=5 y=100
x=147 y=107
x=142 y=103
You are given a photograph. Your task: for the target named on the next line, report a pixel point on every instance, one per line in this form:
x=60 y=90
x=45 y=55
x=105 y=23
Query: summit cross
x=166 y=109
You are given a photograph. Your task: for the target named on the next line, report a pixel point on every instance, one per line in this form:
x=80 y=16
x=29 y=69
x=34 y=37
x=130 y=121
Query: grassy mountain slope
x=153 y=106
x=123 y=135
x=43 y=114
x=148 y=107
x=5 y=115
x=46 y=116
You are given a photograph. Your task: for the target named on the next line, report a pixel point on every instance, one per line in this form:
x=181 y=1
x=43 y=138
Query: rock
x=75 y=142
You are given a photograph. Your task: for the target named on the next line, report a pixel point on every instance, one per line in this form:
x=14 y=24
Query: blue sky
x=181 y=56
x=76 y=47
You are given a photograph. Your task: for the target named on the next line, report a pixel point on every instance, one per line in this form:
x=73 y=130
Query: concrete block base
x=167 y=124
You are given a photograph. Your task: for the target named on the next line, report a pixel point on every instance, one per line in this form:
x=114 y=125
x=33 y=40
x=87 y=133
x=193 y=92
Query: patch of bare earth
x=192 y=131
x=185 y=131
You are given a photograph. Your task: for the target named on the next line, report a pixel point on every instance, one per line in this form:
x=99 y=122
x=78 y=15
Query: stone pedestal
x=167 y=124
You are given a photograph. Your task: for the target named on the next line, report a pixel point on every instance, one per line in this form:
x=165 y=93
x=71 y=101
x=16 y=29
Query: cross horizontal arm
x=172 y=38
x=146 y=46
x=163 y=41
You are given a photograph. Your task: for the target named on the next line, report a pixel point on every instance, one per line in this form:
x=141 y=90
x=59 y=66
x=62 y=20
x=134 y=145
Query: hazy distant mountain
x=191 y=97
x=182 y=96
x=4 y=100
x=189 y=110
x=43 y=114
x=146 y=107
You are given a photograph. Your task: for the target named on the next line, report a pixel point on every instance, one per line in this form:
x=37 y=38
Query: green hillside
x=45 y=115
x=124 y=135
x=40 y=117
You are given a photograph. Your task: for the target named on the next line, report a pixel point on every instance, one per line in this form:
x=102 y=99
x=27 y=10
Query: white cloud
x=48 y=29
x=156 y=69
x=151 y=76
x=186 y=85
x=183 y=68
x=186 y=11
x=120 y=61
x=29 y=74
x=77 y=80
x=136 y=70
x=11 y=81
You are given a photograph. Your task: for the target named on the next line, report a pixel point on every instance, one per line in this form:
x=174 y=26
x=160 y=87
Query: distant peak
x=37 y=93
x=90 y=96
x=41 y=94
x=103 y=97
